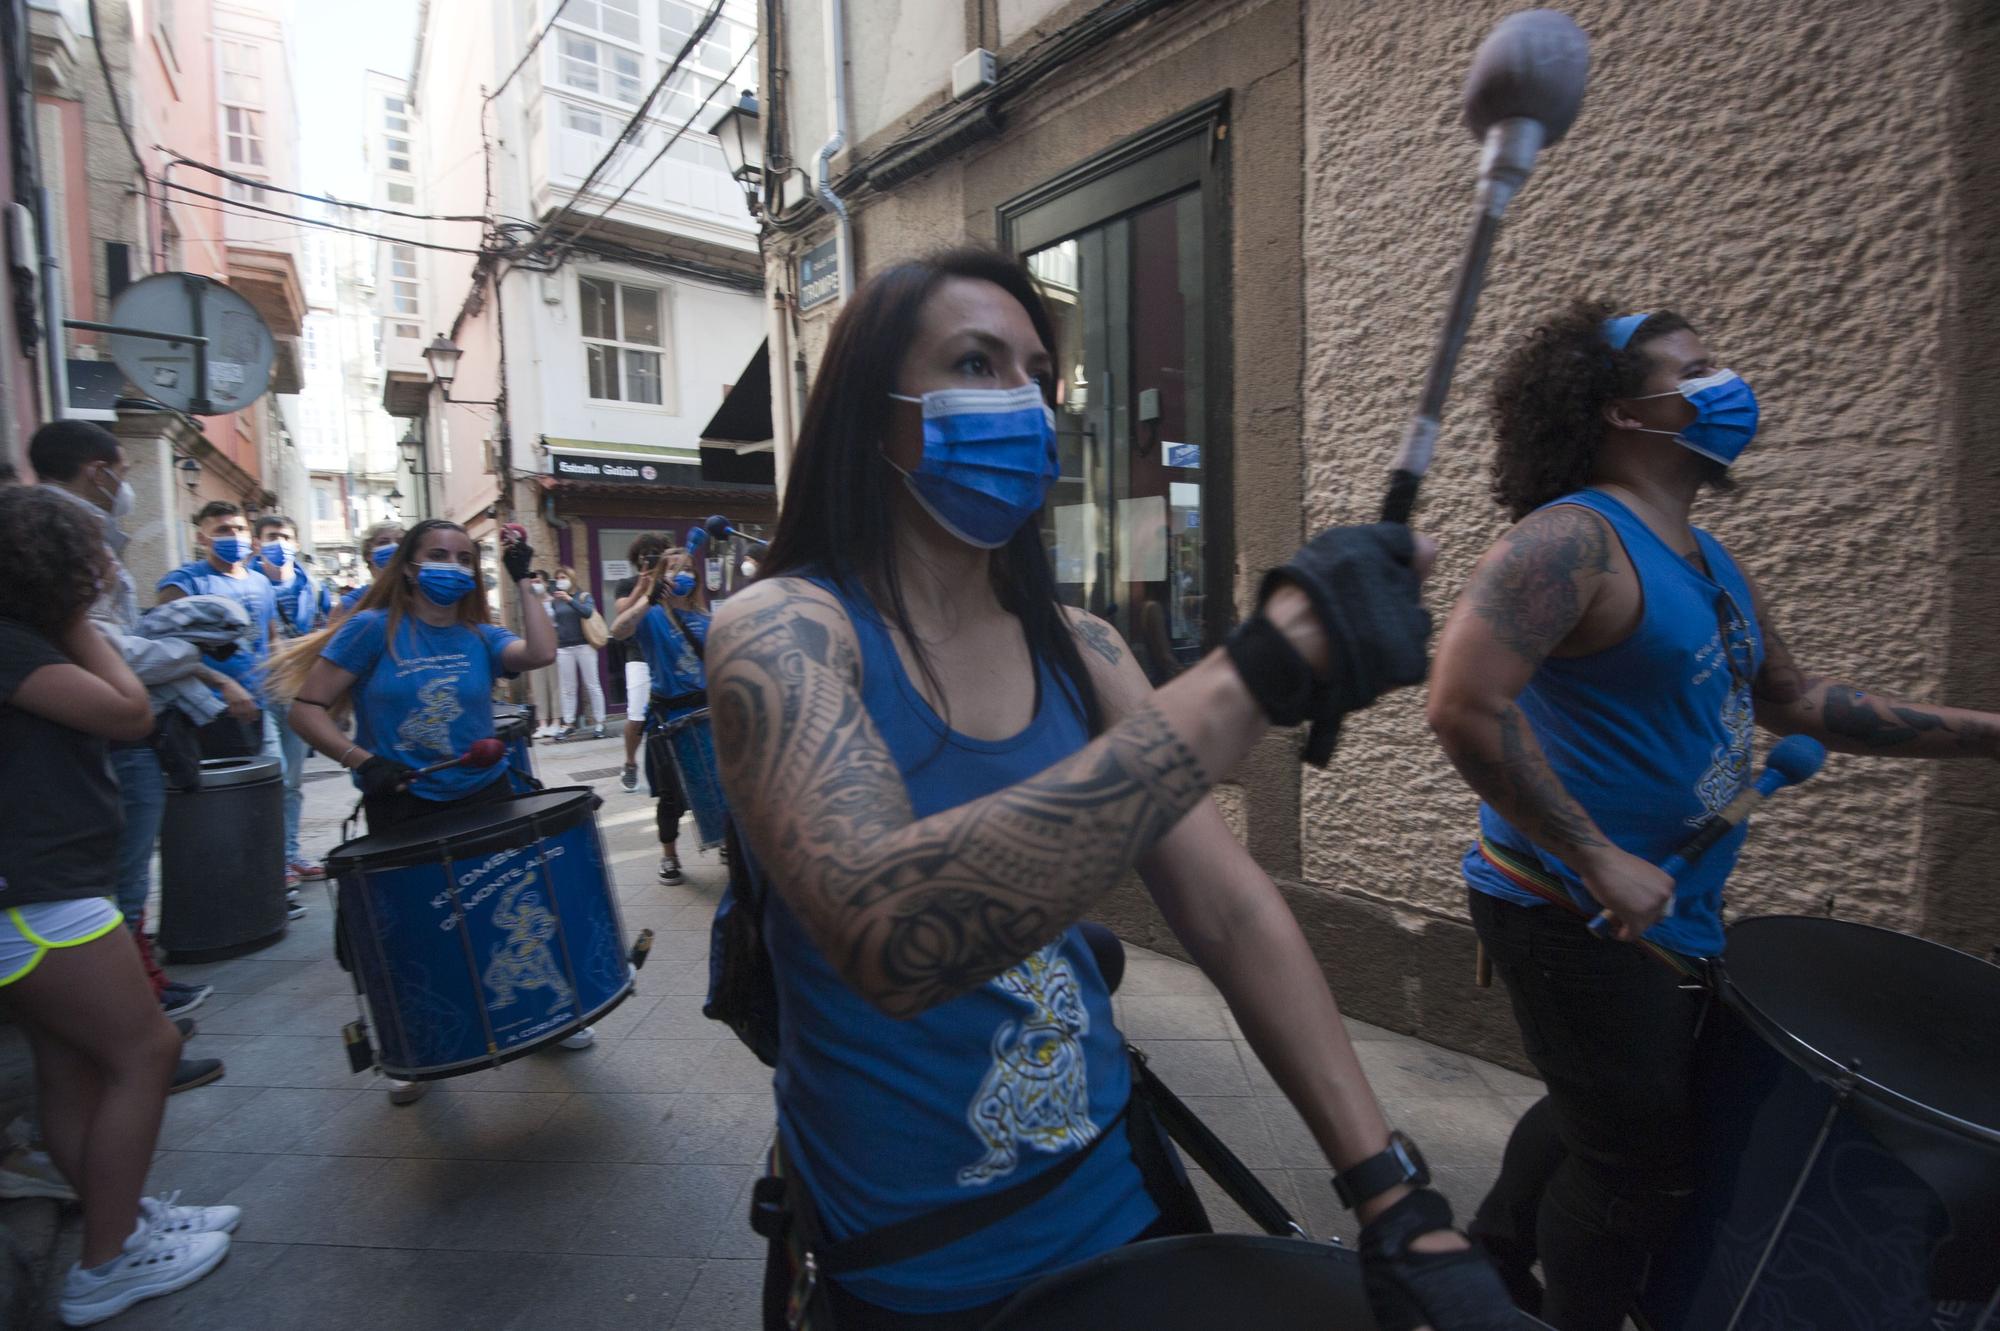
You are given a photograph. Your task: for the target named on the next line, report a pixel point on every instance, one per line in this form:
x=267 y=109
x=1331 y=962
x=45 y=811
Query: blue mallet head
x=1795 y=758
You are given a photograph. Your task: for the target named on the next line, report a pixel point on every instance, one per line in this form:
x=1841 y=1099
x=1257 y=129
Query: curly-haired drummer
x=1598 y=685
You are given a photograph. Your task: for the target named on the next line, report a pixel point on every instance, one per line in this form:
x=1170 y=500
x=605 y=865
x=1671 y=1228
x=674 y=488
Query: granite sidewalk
x=608 y=1188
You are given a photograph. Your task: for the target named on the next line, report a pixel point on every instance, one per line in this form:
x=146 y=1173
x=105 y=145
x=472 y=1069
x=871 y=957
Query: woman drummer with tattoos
x=937 y=769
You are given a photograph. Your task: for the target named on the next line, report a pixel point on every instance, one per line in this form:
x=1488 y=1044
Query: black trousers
x=1595 y=1174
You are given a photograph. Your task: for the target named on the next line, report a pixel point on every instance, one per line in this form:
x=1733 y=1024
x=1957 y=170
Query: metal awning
x=736 y=442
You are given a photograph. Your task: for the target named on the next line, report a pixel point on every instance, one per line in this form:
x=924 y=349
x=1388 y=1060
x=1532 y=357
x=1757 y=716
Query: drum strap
x=1208 y=1151
x=1530 y=878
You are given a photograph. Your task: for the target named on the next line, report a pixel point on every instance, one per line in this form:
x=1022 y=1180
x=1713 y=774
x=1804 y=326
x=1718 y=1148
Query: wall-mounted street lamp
x=442 y=355
x=740 y=133
x=190 y=471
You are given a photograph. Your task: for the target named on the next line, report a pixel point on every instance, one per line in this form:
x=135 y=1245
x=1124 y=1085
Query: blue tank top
x=887 y=1119
x=1652 y=735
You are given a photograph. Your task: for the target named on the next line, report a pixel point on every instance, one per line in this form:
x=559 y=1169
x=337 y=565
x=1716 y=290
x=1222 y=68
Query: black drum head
x=1914 y=1019
x=457 y=833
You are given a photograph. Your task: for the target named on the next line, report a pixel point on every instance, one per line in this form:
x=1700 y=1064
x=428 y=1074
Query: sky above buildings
x=333 y=47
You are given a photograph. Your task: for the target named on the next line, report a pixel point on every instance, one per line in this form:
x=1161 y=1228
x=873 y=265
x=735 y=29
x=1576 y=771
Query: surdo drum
x=481 y=934
x=1851 y=1081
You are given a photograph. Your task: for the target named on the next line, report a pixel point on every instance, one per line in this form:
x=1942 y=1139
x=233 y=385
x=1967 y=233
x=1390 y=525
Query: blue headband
x=1618 y=332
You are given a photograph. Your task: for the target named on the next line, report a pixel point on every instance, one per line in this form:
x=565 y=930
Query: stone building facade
x=1812 y=185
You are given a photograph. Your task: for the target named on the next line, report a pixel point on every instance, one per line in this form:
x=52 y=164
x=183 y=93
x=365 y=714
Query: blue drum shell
x=692 y=744
x=487 y=952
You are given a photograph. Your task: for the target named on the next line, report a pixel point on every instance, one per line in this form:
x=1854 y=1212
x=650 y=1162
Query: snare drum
x=483 y=933
x=514 y=726
x=691 y=745
x=1199 y=1282
x=1851 y=1078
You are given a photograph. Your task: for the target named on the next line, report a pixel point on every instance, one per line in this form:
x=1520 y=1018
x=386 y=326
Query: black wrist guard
x=1272 y=669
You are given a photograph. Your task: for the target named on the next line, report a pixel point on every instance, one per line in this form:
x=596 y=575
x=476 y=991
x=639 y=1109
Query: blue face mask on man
x=275 y=554
x=989 y=459
x=1725 y=419
x=230 y=549
x=444 y=584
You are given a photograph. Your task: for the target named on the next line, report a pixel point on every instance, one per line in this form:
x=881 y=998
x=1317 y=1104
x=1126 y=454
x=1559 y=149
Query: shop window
x=1126 y=251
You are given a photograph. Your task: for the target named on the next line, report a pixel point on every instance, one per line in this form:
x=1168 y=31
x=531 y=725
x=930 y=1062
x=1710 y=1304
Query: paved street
x=608 y=1188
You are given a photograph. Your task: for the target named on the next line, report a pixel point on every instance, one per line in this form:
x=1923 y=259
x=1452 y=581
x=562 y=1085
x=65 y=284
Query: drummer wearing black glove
x=416 y=669
x=937 y=769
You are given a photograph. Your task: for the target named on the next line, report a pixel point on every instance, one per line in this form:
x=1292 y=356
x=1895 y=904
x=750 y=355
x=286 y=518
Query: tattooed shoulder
x=1533 y=587
x=1098 y=636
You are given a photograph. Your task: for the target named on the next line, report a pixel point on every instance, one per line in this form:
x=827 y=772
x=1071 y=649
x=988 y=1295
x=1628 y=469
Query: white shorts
x=638 y=687
x=28 y=932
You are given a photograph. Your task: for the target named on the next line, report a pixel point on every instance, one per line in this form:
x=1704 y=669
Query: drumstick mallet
x=1521 y=96
x=480 y=753
x=1793 y=759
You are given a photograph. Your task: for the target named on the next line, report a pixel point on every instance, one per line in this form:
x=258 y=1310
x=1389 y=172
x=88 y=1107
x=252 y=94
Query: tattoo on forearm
x=1780 y=681
x=1097 y=636
x=1882 y=724
x=926 y=908
x=1532 y=594
x=1526 y=790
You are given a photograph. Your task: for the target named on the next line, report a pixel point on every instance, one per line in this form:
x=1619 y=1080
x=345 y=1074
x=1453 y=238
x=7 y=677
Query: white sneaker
x=583 y=1039
x=152 y=1264
x=30 y=1173
x=164 y=1217
x=407 y=1092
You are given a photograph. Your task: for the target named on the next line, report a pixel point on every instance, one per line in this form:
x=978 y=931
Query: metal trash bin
x=222 y=861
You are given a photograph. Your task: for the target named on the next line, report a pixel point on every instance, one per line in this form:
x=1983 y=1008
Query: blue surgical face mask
x=989 y=460
x=682 y=583
x=381 y=555
x=230 y=549
x=1725 y=419
x=444 y=584
x=275 y=554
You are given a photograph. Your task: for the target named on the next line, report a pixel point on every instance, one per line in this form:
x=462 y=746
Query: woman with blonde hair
x=576 y=657
x=415 y=664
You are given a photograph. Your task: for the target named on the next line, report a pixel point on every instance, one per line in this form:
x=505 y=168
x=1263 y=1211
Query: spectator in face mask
x=576 y=658
x=225 y=532
x=303 y=604
x=380 y=546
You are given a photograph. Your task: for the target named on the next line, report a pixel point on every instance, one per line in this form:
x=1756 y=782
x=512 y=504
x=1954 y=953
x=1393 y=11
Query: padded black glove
x=382 y=776
x=518 y=557
x=1363 y=586
x=1447 y=1291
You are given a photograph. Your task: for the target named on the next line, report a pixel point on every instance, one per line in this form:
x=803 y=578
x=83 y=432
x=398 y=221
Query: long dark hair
x=1549 y=400
x=844 y=531
x=55 y=558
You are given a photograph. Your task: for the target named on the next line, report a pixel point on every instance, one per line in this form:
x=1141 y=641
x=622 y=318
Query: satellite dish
x=164 y=316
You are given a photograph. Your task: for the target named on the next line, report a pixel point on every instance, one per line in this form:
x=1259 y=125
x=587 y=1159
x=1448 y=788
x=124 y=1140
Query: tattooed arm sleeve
x=915 y=911
x=1526 y=595
x=1792 y=701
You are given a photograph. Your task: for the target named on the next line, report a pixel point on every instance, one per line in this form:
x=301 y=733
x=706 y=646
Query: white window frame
x=238 y=60
x=591 y=14
x=406 y=154
x=404 y=287
x=408 y=198
x=662 y=351
x=243 y=139
x=577 y=53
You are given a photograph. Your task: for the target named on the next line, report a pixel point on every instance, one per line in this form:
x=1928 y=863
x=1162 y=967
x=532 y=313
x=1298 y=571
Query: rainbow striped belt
x=1530 y=878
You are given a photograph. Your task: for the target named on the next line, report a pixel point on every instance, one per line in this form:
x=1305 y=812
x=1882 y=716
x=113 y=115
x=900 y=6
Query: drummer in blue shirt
x=416 y=663
x=225 y=532
x=667 y=624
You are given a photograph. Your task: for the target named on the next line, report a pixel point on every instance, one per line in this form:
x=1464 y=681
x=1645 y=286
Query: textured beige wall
x=1779 y=171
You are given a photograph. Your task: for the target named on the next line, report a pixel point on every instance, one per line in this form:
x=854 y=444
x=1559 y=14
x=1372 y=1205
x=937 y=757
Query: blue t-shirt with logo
x=303 y=601
x=427 y=698
x=671 y=654
x=246 y=664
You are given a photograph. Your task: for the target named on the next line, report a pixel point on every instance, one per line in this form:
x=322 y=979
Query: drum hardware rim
x=1833 y=1111
x=1825 y=1068
x=410 y=858
x=465 y=945
x=562 y=933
